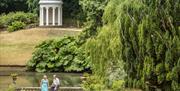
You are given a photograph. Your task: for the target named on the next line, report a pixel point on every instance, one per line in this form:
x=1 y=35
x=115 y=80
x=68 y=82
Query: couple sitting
x=45 y=83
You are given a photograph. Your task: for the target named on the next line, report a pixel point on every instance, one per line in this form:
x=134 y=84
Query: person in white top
x=56 y=83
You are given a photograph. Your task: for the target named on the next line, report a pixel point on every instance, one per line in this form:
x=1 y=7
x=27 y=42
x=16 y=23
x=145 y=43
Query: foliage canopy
x=58 y=55
x=18 y=20
x=149 y=42
x=7 y=6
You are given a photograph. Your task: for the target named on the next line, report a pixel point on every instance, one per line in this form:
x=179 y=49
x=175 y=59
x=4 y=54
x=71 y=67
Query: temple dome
x=50 y=2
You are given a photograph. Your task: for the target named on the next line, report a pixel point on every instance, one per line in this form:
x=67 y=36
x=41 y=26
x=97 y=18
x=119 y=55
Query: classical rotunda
x=50 y=13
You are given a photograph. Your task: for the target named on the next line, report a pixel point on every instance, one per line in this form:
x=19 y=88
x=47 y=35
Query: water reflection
x=32 y=79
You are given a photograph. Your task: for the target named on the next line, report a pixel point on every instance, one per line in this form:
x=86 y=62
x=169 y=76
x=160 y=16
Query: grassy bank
x=16 y=47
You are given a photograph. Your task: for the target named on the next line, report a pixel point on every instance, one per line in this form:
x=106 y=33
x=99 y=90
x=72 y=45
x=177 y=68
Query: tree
x=7 y=6
x=93 y=11
x=33 y=6
x=149 y=42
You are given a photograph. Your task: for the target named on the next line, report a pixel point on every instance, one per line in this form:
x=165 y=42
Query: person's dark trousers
x=57 y=88
x=52 y=88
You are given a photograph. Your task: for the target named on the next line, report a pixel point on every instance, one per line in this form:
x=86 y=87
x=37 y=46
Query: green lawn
x=16 y=47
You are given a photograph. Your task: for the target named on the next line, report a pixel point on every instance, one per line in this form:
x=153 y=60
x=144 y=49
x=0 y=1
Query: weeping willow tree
x=145 y=35
x=150 y=43
x=104 y=52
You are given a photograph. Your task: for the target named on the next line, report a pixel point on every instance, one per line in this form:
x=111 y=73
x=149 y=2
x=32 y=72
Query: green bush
x=11 y=88
x=16 y=26
x=93 y=83
x=58 y=55
x=1 y=24
x=118 y=85
x=27 y=18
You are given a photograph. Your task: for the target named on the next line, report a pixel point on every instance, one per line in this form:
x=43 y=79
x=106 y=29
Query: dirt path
x=16 y=47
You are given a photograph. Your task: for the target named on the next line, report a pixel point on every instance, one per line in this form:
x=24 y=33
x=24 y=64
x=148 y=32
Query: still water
x=32 y=79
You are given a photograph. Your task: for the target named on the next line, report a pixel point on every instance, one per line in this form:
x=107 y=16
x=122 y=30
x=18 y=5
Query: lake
x=32 y=79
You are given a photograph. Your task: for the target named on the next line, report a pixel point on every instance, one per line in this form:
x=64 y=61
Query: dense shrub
x=58 y=55
x=15 y=21
x=11 y=87
x=27 y=18
x=118 y=85
x=16 y=25
x=93 y=83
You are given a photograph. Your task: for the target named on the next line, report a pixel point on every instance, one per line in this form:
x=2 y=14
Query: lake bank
x=32 y=79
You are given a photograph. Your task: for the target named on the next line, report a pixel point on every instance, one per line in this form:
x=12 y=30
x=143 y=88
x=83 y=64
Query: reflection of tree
x=34 y=78
x=69 y=80
x=65 y=79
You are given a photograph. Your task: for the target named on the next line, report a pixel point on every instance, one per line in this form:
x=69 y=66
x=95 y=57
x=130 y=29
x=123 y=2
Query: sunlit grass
x=16 y=47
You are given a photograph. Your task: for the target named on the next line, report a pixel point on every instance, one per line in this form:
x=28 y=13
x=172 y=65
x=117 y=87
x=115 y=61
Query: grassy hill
x=16 y=48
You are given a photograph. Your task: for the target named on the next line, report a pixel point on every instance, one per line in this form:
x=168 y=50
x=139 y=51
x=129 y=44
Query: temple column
x=41 y=15
x=59 y=16
x=47 y=16
x=53 y=15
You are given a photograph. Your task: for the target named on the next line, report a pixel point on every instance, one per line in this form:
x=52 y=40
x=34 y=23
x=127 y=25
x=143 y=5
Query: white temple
x=50 y=13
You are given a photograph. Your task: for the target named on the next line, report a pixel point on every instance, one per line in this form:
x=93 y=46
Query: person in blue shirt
x=44 y=83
